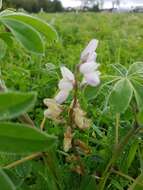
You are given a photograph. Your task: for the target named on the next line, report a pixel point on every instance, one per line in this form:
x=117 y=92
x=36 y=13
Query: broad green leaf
x=40 y=25
x=132 y=153
x=136 y=68
x=121 y=95
x=25 y=34
x=138 y=91
x=3 y=48
x=13 y=104
x=23 y=139
x=5 y=182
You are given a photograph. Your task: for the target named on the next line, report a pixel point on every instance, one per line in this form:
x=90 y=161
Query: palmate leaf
x=23 y=139
x=13 y=104
x=25 y=34
x=5 y=182
x=40 y=25
x=28 y=29
x=138 y=92
x=121 y=95
x=136 y=68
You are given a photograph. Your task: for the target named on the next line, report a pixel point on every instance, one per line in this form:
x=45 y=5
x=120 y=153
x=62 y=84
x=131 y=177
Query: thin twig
x=18 y=162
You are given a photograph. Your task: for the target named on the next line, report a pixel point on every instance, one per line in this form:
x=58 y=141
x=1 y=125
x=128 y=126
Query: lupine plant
x=70 y=149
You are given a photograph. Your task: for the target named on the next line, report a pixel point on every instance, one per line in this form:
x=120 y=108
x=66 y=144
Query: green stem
x=117 y=129
x=115 y=155
x=137 y=181
x=126 y=176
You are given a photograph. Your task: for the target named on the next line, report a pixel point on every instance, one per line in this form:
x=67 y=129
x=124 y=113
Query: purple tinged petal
x=61 y=96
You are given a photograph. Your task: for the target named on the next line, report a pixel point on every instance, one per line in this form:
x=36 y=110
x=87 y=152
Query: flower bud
x=67 y=74
x=91 y=47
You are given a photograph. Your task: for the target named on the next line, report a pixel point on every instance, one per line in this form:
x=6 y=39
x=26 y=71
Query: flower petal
x=65 y=85
x=91 y=47
x=67 y=74
x=88 y=67
x=92 y=57
x=62 y=96
x=92 y=78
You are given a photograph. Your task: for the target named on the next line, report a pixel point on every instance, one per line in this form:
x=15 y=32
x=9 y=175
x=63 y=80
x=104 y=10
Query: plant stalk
x=18 y=162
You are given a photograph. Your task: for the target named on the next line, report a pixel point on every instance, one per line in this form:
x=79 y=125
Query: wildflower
x=54 y=110
x=65 y=85
x=67 y=139
x=89 y=66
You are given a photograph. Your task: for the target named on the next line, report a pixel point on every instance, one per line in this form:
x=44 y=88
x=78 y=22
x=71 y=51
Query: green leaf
x=136 y=68
x=25 y=34
x=40 y=25
x=5 y=182
x=23 y=139
x=121 y=95
x=138 y=91
x=13 y=104
x=132 y=153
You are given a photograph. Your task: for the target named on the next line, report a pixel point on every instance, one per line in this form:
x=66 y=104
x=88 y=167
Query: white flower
x=92 y=78
x=67 y=74
x=65 y=85
x=62 y=96
x=89 y=51
x=89 y=66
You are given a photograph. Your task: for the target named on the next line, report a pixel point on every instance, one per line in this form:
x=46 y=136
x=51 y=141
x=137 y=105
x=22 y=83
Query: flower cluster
x=91 y=76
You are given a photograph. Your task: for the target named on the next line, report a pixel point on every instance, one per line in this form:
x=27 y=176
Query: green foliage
x=24 y=27
x=21 y=139
x=13 y=104
x=5 y=182
x=121 y=91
